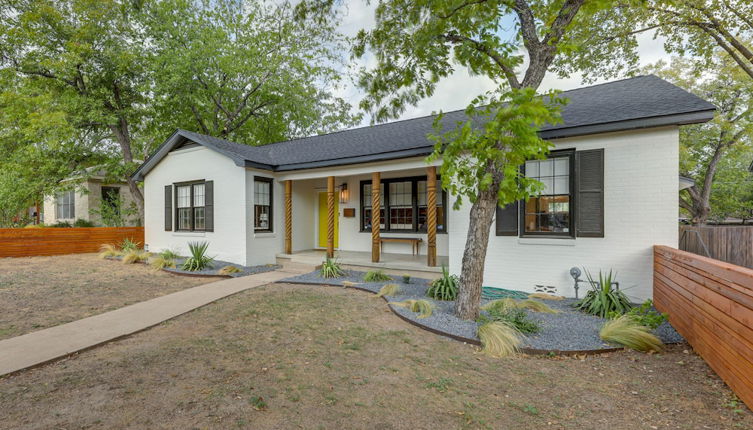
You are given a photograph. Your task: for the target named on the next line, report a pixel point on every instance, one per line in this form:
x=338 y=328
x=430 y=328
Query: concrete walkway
x=42 y=346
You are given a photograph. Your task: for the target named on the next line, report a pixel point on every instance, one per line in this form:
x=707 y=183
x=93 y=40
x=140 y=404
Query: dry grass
x=501 y=305
x=135 y=256
x=228 y=270
x=423 y=307
x=626 y=331
x=499 y=339
x=160 y=262
x=388 y=290
x=545 y=296
x=108 y=251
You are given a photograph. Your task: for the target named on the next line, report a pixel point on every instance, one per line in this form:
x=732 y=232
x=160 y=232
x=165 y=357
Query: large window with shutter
x=403 y=205
x=193 y=206
x=571 y=203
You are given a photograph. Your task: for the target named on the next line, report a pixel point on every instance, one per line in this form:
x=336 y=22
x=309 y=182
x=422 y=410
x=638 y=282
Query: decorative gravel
x=219 y=264
x=568 y=330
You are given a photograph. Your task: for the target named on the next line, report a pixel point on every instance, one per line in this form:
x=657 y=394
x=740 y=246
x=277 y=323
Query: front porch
x=396 y=264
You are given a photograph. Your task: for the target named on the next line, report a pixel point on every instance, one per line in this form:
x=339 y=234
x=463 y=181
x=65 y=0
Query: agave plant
x=376 y=276
x=198 y=259
x=499 y=339
x=444 y=288
x=603 y=299
x=628 y=332
x=128 y=244
x=423 y=307
x=331 y=269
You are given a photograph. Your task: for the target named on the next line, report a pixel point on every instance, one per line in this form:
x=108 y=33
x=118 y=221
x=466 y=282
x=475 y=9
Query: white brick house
x=612 y=181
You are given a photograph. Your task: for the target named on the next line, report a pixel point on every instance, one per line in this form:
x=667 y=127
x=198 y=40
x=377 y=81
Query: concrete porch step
x=294 y=268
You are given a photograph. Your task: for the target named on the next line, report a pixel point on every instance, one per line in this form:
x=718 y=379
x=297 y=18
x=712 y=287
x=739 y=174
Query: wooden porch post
x=431 y=215
x=330 y=216
x=288 y=216
x=375 y=217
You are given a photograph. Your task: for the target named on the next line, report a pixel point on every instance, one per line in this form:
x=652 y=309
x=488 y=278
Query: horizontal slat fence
x=710 y=303
x=29 y=242
x=733 y=244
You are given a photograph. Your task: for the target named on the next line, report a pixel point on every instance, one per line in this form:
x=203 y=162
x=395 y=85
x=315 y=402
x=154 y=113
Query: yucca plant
x=228 y=270
x=376 y=276
x=444 y=288
x=135 y=256
x=499 y=339
x=603 y=299
x=198 y=259
x=423 y=307
x=108 y=251
x=160 y=262
x=128 y=245
x=331 y=269
x=388 y=290
x=626 y=331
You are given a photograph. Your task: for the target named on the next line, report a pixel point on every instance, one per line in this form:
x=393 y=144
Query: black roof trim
x=384 y=156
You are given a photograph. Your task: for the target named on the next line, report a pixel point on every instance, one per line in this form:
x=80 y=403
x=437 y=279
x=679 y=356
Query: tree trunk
x=124 y=140
x=474 y=256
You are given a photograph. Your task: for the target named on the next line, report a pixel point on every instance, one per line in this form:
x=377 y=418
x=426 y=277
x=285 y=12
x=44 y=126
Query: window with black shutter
x=590 y=193
x=193 y=206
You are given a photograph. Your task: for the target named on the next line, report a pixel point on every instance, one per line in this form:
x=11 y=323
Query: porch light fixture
x=344 y=194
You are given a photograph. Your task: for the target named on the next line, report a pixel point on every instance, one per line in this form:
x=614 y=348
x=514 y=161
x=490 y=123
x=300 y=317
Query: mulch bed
x=212 y=272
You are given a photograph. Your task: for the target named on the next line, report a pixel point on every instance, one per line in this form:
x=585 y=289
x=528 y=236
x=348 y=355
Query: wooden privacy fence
x=733 y=244
x=29 y=242
x=710 y=303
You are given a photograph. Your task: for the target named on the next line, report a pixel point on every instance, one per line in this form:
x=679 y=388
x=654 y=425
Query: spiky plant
x=160 y=262
x=444 y=288
x=135 y=256
x=626 y=331
x=545 y=296
x=603 y=299
x=388 y=290
x=228 y=270
x=128 y=244
x=169 y=253
x=376 y=276
x=423 y=307
x=331 y=269
x=109 y=251
x=499 y=339
x=536 y=306
x=198 y=259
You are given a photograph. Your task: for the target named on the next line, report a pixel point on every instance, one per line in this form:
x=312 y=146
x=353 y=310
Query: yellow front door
x=323 y=220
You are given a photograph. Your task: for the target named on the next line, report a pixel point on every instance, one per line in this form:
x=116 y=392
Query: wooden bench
x=414 y=241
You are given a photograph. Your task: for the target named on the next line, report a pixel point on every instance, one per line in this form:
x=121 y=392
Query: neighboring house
x=86 y=198
x=611 y=193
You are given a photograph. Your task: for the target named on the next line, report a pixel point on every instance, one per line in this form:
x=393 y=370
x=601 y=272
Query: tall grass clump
x=423 y=307
x=135 y=256
x=545 y=296
x=626 y=331
x=169 y=253
x=376 y=276
x=128 y=245
x=228 y=270
x=109 y=251
x=388 y=290
x=331 y=269
x=499 y=339
x=603 y=299
x=444 y=288
x=501 y=305
x=160 y=262
x=198 y=259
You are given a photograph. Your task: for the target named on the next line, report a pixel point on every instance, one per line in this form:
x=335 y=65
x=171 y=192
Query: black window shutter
x=507 y=220
x=589 y=188
x=209 y=205
x=168 y=208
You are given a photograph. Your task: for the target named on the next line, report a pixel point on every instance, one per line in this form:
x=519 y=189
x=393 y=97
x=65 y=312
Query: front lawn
x=292 y=356
x=41 y=292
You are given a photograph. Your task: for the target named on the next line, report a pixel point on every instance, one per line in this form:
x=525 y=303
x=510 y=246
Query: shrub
x=331 y=269
x=135 y=256
x=160 y=262
x=499 y=339
x=376 y=276
x=500 y=305
x=545 y=296
x=406 y=279
x=423 y=307
x=83 y=223
x=444 y=288
x=169 y=253
x=603 y=299
x=536 y=306
x=128 y=244
x=626 y=331
x=198 y=259
x=514 y=316
x=61 y=224
x=108 y=251
x=228 y=270
x=645 y=314
x=388 y=290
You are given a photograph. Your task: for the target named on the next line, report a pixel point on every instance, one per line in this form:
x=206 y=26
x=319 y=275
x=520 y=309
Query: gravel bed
x=219 y=264
x=568 y=330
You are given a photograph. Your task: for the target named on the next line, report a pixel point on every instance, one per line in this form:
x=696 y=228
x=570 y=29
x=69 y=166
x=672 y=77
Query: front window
x=401 y=205
x=423 y=208
x=404 y=201
x=190 y=207
x=366 y=200
x=262 y=204
x=65 y=205
x=549 y=213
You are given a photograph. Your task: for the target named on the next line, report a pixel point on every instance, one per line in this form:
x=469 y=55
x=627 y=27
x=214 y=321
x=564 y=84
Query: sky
x=457 y=90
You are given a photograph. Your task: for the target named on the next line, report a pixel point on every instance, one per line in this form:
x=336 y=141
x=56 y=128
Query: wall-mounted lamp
x=344 y=194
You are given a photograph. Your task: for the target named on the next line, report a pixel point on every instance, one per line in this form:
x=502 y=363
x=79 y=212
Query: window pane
x=198 y=195
x=184 y=218
x=546 y=168
x=184 y=196
x=548 y=214
x=366 y=195
x=532 y=169
x=261 y=193
x=548 y=185
x=562 y=166
x=561 y=185
x=421 y=190
x=198 y=219
x=261 y=217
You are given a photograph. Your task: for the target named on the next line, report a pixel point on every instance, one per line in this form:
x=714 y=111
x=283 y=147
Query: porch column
x=288 y=217
x=431 y=215
x=375 y=217
x=330 y=216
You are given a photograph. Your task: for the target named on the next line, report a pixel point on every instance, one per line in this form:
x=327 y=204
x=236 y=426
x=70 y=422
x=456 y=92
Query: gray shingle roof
x=640 y=102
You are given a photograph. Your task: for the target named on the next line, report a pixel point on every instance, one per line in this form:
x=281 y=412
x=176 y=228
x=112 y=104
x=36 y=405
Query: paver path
x=41 y=346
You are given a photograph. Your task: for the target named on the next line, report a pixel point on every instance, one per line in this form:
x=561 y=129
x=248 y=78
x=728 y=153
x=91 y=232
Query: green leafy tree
x=703 y=147
x=514 y=43
x=732 y=194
